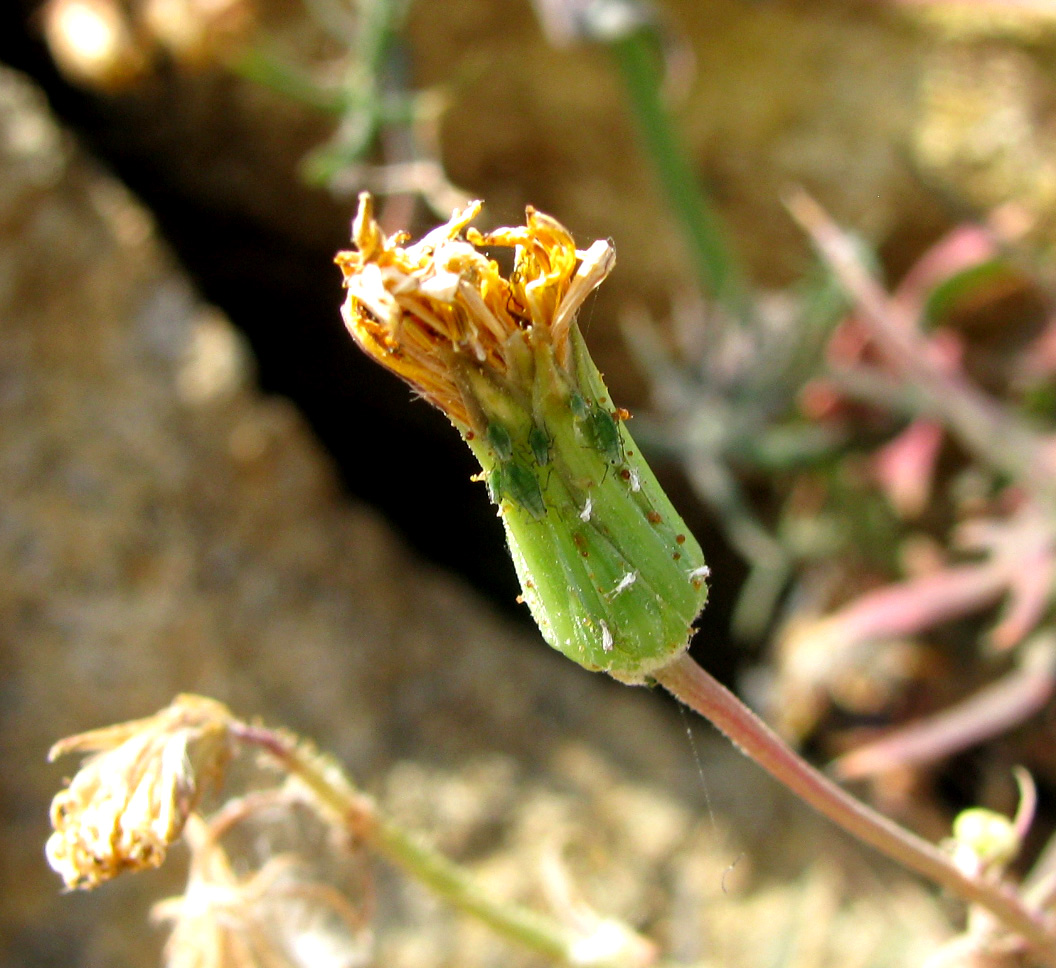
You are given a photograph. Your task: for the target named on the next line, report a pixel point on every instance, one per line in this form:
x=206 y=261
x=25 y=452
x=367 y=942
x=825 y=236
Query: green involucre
x=611 y=574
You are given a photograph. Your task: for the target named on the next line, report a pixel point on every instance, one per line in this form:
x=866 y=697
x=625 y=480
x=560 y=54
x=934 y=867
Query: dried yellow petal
x=130 y=800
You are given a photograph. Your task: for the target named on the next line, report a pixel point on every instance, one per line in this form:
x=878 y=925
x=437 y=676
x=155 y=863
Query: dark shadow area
x=282 y=291
x=263 y=253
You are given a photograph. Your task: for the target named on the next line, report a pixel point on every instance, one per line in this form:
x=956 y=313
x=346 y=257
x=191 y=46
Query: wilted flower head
x=129 y=801
x=439 y=312
x=606 y=565
x=276 y=917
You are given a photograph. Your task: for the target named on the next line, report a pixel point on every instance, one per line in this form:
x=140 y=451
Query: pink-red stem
x=694 y=687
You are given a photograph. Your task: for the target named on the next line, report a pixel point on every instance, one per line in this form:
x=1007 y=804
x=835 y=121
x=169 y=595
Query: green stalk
x=344 y=806
x=636 y=57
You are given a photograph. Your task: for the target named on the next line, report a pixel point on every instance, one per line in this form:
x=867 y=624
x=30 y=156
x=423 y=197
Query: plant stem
x=694 y=687
x=461 y=890
x=636 y=57
x=345 y=806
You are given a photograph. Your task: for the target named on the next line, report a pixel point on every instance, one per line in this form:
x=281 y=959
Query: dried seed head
x=275 y=917
x=129 y=801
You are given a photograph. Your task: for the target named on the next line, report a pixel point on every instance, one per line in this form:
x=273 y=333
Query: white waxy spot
x=636 y=484
x=624 y=583
x=606 y=944
x=441 y=286
x=703 y=572
x=584 y=515
x=606 y=636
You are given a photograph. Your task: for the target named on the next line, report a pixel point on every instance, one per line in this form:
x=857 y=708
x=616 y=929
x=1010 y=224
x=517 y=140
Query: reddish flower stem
x=694 y=687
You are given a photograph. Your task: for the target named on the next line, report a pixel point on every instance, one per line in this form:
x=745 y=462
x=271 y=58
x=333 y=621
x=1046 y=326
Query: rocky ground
x=164 y=527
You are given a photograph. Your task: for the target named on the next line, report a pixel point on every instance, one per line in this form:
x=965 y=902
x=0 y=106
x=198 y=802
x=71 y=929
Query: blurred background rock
x=166 y=526
x=780 y=95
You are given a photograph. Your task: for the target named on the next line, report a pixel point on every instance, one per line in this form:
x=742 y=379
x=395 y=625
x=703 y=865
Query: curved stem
x=343 y=805
x=694 y=687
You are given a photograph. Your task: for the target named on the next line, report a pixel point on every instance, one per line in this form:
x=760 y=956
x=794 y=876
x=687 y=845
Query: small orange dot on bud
x=622 y=414
x=680 y=538
x=654 y=517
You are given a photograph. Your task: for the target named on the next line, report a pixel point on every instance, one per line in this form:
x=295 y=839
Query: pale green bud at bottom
x=990 y=838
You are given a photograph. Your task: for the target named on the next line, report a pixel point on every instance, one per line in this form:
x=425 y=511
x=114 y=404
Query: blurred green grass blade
x=637 y=58
x=964 y=286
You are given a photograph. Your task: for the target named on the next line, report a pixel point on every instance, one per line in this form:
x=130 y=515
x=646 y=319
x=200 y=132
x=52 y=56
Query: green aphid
x=540 y=445
x=599 y=428
x=604 y=434
x=579 y=407
x=499 y=438
x=496 y=483
x=522 y=487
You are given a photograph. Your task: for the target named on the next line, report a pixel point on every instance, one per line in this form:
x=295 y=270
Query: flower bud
x=983 y=839
x=606 y=565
